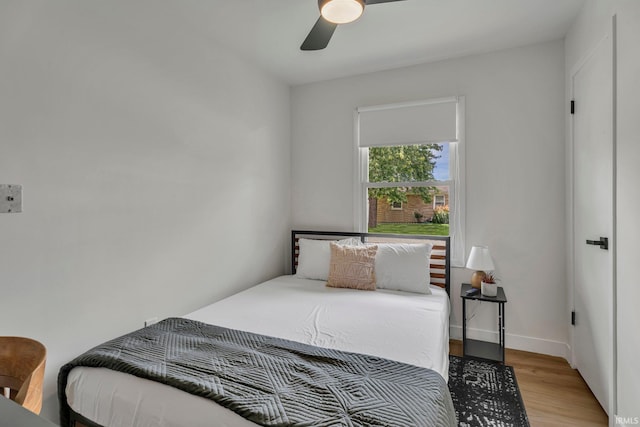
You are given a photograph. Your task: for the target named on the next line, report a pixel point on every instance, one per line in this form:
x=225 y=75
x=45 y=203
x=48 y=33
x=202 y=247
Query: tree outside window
x=402 y=164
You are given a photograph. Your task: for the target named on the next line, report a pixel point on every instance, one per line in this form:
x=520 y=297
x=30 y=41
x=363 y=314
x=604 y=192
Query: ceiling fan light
x=341 y=11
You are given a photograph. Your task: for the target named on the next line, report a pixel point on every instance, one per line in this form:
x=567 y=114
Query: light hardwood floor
x=554 y=394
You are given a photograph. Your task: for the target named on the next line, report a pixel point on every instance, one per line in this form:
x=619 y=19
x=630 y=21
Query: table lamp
x=479 y=260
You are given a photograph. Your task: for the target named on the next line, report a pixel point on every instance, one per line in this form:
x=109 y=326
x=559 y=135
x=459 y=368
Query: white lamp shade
x=480 y=259
x=341 y=11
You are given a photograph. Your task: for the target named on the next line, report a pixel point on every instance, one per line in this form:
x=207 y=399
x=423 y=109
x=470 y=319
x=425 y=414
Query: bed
x=409 y=330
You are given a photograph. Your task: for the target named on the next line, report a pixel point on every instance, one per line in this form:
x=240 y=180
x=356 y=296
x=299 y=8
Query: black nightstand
x=483 y=349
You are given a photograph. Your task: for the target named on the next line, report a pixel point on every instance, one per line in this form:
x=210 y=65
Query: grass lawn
x=423 y=228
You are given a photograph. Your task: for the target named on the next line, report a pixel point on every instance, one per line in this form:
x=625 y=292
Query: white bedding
x=409 y=328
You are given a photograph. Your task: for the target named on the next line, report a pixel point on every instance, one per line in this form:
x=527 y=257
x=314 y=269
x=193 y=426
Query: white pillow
x=315 y=256
x=403 y=267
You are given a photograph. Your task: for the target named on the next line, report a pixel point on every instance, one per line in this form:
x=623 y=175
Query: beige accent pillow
x=352 y=267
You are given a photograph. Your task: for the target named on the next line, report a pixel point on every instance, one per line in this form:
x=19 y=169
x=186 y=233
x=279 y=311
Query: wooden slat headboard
x=439 y=265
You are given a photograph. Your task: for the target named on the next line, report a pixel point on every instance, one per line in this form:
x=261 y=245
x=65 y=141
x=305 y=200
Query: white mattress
x=409 y=328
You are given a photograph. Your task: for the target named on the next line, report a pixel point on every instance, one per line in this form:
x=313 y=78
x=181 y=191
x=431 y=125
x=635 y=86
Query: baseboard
x=516 y=342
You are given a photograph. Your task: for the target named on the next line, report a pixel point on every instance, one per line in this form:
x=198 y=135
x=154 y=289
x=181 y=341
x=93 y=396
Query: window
x=410 y=170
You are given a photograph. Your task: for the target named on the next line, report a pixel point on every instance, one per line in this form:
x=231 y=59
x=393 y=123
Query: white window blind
x=409 y=123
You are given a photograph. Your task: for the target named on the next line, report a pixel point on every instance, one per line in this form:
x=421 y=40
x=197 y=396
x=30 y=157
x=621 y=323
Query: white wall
x=589 y=27
x=628 y=206
x=515 y=173
x=155 y=166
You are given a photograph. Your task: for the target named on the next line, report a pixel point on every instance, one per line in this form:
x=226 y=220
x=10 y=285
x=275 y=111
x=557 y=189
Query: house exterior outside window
x=403 y=213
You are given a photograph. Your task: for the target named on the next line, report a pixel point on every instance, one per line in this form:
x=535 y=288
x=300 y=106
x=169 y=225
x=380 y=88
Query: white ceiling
x=387 y=36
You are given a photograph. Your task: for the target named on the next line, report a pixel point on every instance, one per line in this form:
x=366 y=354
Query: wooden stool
x=22 y=363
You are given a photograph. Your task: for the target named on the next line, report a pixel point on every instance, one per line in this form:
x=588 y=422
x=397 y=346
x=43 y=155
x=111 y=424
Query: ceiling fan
x=333 y=13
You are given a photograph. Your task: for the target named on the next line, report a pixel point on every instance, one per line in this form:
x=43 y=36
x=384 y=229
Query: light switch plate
x=10 y=198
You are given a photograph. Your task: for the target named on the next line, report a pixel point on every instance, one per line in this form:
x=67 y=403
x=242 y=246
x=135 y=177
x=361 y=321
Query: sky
x=441 y=171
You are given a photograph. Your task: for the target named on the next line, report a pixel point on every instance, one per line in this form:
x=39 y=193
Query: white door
x=593 y=198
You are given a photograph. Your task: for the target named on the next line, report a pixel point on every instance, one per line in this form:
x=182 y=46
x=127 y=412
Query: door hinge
x=573 y=106
x=573 y=318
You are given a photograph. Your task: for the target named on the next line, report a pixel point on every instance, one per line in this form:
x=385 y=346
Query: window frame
x=393 y=208
x=456 y=181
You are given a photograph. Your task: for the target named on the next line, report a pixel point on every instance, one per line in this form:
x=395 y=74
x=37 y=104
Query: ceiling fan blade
x=319 y=35
x=369 y=2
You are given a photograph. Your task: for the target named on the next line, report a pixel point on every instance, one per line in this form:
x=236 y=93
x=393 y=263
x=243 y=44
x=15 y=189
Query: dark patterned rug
x=485 y=394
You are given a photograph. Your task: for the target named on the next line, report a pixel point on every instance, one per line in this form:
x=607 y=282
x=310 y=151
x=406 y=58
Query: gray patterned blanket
x=271 y=381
